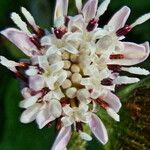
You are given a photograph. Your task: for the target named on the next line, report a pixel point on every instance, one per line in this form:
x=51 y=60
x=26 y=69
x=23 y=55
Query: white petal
x=102 y=8
x=21 y=24
x=62 y=77
x=89 y=10
x=136 y=70
x=61 y=9
x=112 y=100
x=44 y=117
x=26 y=92
x=29 y=101
x=85 y=136
x=119 y=18
x=98 y=129
x=36 y=82
x=67 y=121
x=133 y=54
x=125 y=80
x=113 y=114
x=30 y=114
x=57 y=66
x=43 y=62
x=83 y=107
x=71 y=49
x=78 y=5
x=55 y=108
x=46 y=40
x=21 y=40
x=31 y=71
x=62 y=139
x=29 y=18
x=141 y=20
x=67 y=110
x=52 y=50
x=9 y=63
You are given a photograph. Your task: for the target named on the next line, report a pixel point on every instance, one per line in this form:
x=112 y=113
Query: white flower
x=73 y=70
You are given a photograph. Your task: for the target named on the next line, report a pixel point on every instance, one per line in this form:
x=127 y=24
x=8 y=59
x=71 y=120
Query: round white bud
x=67 y=64
x=76 y=78
x=73 y=58
x=75 y=68
x=71 y=92
x=66 y=84
x=65 y=55
x=69 y=74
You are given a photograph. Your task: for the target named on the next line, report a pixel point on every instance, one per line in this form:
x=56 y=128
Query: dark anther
x=21 y=76
x=66 y=20
x=91 y=25
x=59 y=32
x=107 y=82
x=115 y=68
x=102 y=103
x=79 y=126
x=36 y=42
x=123 y=31
x=116 y=56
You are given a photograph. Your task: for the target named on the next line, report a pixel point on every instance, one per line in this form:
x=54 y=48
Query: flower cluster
x=74 y=68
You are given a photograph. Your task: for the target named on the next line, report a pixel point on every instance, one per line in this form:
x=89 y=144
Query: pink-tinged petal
x=61 y=9
x=44 y=117
x=112 y=100
x=98 y=128
x=119 y=18
x=30 y=114
x=9 y=63
x=62 y=139
x=133 y=54
x=147 y=50
x=36 y=82
x=89 y=10
x=26 y=92
x=21 y=40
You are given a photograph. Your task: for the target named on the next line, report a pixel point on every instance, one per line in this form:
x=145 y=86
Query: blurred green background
x=131 y=133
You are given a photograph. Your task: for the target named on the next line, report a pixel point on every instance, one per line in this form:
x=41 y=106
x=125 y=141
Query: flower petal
x=125 y=80
x=119 y=18
x=9 y=63
x=55 y=108
x=21 y=40
x=30 y=114
x=89 y=10
x=44 y=117
x=112 y=100
x=98 y=129
x=62 y=139
x=133 y=54
x=29 y=101
x=36 y=82
x=85 y=136
x=71 y=49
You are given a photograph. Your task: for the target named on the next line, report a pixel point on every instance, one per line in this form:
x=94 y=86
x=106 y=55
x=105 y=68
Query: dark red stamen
x=116 y=56
x=21 y=76
x=23 y=65
x=66 y=20
x=79 y=126
x=103 y=104
x=124 y=30
x=36 y=42
x=107 y=82
x=115 y=68
x=59 y=32
x=64 y=101
x=58 y=123
x=92 y=24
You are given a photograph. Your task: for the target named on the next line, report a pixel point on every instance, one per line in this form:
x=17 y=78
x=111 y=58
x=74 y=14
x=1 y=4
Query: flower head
x=73 y=69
